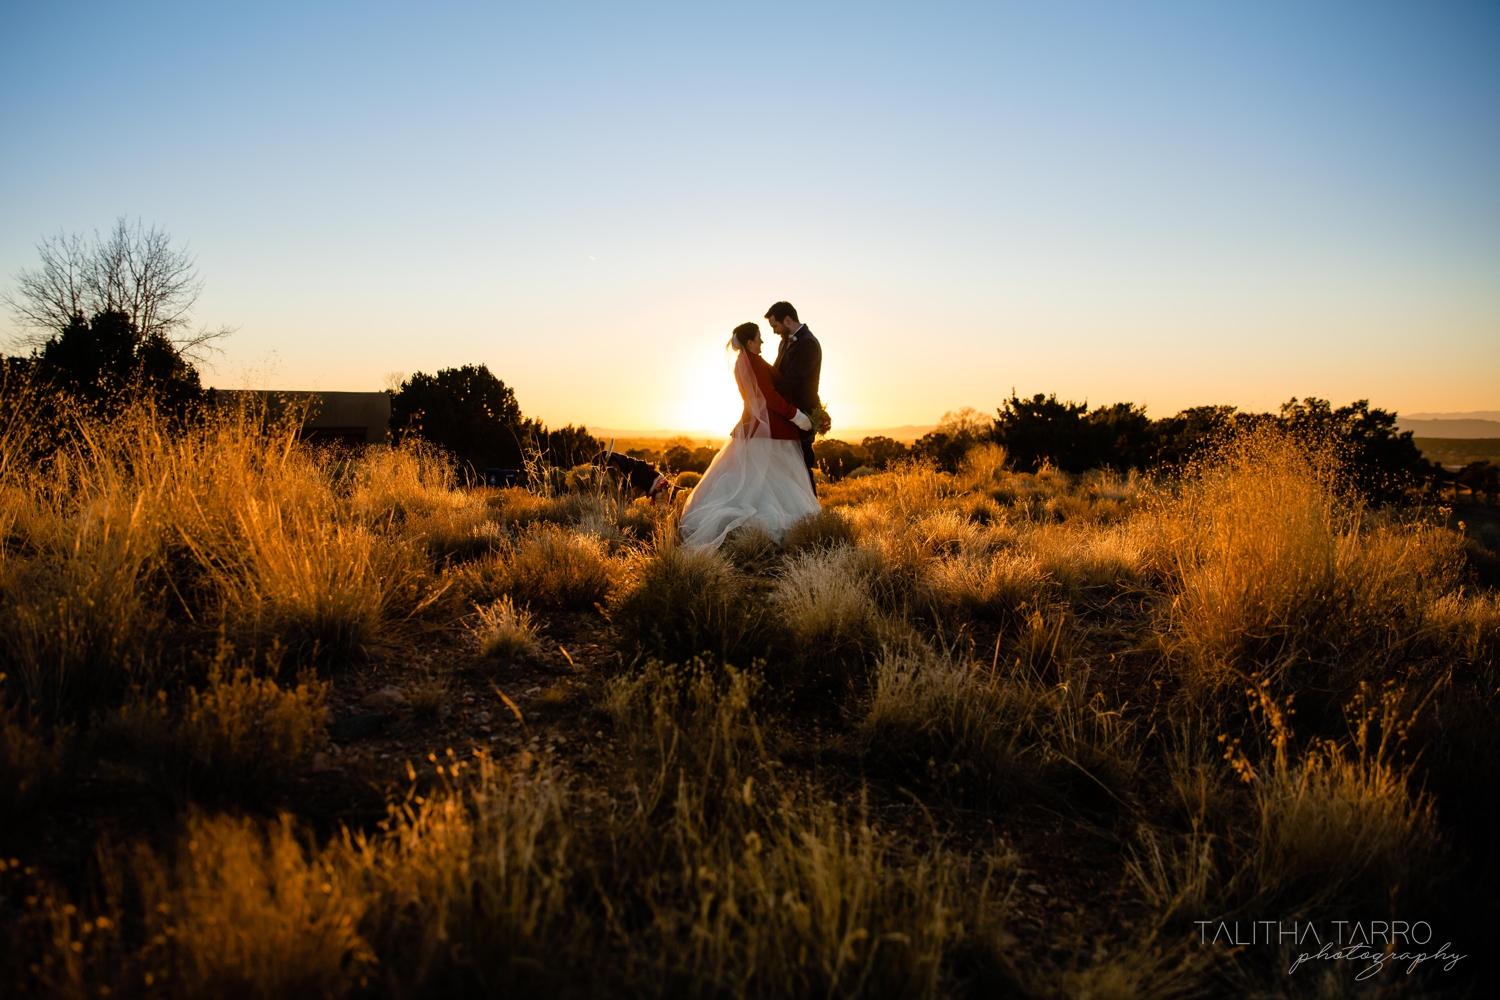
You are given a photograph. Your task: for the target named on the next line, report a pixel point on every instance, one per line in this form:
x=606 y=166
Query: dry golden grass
x=678 y=602
x=505 y=631
x=411 y=491
x=996 y=731
x=1270 y=570
x=778 y=898
x=1339 y=821
x=238 y=908
x=334 y=589
x=546 y=566
x=825 y=529
x=971 y=641
x=136 y=530
x=822 y=599
x=238 y=735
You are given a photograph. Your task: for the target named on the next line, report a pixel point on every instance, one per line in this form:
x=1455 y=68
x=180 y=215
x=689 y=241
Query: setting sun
x=701 y=395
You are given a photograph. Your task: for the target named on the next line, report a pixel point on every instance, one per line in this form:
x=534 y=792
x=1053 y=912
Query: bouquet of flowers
x=821 y=421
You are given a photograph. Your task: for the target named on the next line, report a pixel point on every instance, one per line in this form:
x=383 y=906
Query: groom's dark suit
x=799 y=361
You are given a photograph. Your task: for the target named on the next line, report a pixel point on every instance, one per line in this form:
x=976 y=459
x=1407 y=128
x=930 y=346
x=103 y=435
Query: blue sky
x=1167 y=203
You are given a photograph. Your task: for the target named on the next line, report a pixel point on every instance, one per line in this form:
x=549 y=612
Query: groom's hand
x=802 y=421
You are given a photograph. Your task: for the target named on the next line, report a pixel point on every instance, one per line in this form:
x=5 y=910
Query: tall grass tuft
x=334 y=590
x=822 y=604
x=1270 y=569
x=78 y=609
x=767 y=896
x=825 y=529
x=504 y=631
x=238 y=737
x=678 y=602
x=473 y=887
x=990 y=736
x=1339 y=823
x=236 y=908
x=410 y=491
x=546 y=566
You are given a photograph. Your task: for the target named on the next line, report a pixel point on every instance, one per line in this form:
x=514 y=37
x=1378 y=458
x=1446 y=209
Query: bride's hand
x=803 y=421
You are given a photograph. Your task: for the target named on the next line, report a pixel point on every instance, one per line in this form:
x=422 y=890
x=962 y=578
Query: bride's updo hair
x=744 y=333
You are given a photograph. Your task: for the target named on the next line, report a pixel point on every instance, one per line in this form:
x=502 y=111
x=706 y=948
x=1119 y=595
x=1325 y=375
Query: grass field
x=281 y=722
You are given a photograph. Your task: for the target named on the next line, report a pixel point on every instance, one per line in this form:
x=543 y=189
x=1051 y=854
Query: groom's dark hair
x=782 y=311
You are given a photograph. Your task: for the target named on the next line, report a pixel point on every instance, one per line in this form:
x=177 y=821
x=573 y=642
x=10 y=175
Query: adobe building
x=343 y=417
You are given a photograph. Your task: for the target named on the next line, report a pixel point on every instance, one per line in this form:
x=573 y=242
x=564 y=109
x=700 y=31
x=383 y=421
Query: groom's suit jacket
x=800 y=363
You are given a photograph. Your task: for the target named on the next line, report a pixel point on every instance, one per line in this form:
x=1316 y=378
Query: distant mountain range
x=1474 y=424
x=1470 y=415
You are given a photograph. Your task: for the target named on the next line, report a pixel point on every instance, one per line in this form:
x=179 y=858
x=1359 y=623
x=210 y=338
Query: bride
x=759 y=476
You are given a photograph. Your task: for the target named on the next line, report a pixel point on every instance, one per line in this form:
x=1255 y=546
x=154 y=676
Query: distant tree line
x=677 y=454
x=1381 y=462
x=107 y=322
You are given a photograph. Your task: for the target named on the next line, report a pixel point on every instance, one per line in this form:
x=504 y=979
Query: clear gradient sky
x=1174 y=203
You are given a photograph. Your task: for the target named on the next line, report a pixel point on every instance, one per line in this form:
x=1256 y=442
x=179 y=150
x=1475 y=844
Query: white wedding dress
x=754 y=479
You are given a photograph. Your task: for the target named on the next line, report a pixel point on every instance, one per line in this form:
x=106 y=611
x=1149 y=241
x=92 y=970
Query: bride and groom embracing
x=763 y=474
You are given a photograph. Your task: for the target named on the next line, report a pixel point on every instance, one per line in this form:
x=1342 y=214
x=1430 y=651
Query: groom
x=799 y=361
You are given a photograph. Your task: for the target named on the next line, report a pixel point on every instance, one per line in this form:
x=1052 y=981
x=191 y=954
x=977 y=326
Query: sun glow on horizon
x=702 y=396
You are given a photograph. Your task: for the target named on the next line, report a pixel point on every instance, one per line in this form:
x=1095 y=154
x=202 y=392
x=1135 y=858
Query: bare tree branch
x=198 y=347
x=134 y=270
x=48 y=298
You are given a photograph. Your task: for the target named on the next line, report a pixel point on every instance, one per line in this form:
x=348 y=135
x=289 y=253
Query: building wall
x=351 y=416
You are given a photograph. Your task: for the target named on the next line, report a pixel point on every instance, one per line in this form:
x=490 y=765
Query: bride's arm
x=775 y=402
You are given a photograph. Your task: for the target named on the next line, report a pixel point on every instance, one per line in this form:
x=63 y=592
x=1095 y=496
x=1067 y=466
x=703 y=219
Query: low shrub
x=823 y=607
x=546 y=566
x=237 y=738
x=679 y=602
x=238 y=908
x=505 y=631
x=825 y=529
x=989 y=735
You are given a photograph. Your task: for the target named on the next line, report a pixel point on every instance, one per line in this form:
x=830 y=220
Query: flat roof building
x=348 y=417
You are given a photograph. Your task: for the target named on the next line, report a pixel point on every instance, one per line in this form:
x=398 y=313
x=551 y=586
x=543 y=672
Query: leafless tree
x=134 y=270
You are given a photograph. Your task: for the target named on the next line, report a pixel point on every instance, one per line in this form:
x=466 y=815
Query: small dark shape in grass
x=359 y=727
